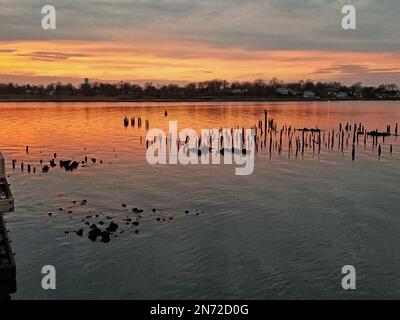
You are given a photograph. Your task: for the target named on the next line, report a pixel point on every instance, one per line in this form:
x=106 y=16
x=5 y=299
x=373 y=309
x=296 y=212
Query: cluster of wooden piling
x=136 y=121
x=268 y=136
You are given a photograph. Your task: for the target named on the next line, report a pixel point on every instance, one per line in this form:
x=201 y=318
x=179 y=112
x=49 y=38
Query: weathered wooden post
x=265 y=126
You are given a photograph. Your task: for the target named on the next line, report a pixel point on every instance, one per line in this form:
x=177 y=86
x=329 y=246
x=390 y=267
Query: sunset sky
x=194 y=40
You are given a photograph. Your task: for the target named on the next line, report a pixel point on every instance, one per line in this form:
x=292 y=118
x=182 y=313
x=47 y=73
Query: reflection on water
x=283 y=232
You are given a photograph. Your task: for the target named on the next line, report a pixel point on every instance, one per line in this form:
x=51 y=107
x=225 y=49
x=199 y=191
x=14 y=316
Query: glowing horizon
x=186 y=62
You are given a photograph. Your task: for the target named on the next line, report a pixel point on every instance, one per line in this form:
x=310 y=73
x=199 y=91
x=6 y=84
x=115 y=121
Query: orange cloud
x=185 y=61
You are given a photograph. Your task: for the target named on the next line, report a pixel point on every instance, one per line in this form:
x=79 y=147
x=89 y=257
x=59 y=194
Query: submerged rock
x=112 y=227
x=94 y=233
x=105 y=237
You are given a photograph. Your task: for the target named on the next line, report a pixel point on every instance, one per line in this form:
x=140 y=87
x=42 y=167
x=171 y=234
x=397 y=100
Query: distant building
x=308 y=94
x=341 y=95
x=236 y=91
x=282 y=91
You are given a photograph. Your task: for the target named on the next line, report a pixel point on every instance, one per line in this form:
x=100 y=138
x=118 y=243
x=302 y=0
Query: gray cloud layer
x=249 y=24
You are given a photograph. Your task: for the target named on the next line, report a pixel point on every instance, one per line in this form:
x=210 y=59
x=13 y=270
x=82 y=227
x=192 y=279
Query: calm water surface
x=284 y=232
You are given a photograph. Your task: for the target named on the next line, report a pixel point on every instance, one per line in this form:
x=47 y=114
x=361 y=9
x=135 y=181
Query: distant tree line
x=273 y=89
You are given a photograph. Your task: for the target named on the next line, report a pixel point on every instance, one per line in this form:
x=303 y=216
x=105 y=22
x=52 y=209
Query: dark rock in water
x=45 y=169
x=136 y=223
x=60 y=209
x=66 y=232
x=88 y=217
x=80 y=232
x=158 y=219
x=128 y=219
x=101 y=223
x=93 y=226
x=112 y=227
x=105 y=237
x=97 y=215
x=69 y=165
x=73 y=166
x=187 y=211
x=105 y=234
x=74 y=202
x=170 y=218
x=136 y=231
x=123 y=205
x=94 y=233
x=50 y=214
x=154 y=210
x=69 y=211
x=65 y=163
x=87 y=223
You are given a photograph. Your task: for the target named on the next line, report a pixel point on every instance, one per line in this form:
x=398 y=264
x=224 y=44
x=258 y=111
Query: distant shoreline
x=205 y=99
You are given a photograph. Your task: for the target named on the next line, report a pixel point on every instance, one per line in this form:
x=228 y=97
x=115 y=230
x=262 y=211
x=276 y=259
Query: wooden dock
x=7 y=263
